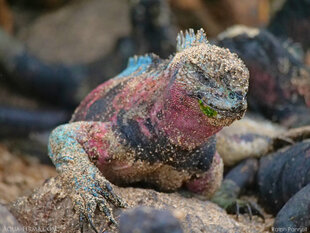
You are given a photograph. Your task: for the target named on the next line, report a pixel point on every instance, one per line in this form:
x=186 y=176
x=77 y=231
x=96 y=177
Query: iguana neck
x=185 y=126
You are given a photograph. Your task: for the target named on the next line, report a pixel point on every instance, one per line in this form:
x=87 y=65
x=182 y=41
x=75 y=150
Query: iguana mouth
x=212 y=110
x=216 y=112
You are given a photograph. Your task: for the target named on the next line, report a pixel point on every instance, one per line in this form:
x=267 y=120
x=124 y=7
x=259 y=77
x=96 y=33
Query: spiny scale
x=190 y=39
x=138 y=64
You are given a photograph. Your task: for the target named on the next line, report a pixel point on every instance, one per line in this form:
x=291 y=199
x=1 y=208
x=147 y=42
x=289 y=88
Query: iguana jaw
x=215 y=112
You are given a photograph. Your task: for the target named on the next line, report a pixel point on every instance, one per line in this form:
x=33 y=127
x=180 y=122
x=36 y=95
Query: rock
x=8 y=223
x=81 y=31
x=6 y=19
x=249 y=137
x=49 y=206
x=20 y=173
x=216 y=16
x=149 y=220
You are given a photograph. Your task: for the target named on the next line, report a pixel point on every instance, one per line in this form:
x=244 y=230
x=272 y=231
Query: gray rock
x=149 y=220
x=81 y=31
x=8 y=222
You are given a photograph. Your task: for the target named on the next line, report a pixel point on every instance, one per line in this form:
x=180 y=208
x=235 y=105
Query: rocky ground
x=20 y=174
x=49 y=204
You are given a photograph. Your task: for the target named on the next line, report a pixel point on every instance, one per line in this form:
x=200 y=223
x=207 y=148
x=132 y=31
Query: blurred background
x=53 y=52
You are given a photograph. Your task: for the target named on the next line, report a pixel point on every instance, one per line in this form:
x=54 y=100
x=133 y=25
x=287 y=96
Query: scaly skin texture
x=153 y=124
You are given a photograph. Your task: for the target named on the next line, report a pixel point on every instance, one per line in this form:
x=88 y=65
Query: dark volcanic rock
x=149 y=220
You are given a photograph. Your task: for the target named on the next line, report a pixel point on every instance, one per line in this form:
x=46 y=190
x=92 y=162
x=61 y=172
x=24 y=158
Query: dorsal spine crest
x=138 y=64
x=190 y=39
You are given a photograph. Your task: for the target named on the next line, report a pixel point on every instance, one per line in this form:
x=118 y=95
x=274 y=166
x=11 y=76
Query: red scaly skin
x=180 y=117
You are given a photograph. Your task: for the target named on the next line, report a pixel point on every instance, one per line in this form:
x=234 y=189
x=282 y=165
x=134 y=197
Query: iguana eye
x=235 y=95
x=232 y=95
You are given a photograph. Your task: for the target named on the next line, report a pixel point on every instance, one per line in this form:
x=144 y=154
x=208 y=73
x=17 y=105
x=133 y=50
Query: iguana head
x=214 y=77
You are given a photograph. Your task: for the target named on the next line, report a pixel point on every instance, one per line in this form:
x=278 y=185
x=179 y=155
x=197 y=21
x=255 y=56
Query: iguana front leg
x=208 y=182
x=90 y=188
